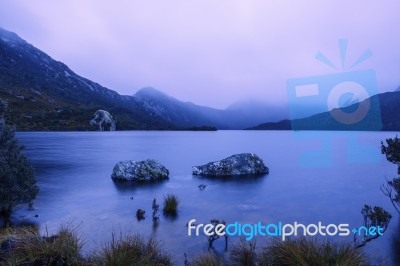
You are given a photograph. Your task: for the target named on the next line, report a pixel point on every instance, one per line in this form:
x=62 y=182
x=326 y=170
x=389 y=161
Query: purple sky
x=209 y=52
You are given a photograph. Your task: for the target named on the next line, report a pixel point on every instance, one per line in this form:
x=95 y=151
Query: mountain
x=386 y=118
x=185 y=114
x=44 y=94
x=178 y=113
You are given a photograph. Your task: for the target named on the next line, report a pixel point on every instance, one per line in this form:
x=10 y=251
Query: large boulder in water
x=238 y=164
x=148 y=170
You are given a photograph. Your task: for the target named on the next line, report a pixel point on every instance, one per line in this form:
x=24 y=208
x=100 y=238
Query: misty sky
x=211 y=52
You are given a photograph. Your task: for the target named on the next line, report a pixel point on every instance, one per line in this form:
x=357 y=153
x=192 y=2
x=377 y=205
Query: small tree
x=392 y=151
x=374 y=218
x=392 y=188
x=214 y=236
x=17 y=179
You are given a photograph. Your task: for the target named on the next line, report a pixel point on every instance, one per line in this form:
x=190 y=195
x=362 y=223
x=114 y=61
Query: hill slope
x=44 y=94
x=181 y=114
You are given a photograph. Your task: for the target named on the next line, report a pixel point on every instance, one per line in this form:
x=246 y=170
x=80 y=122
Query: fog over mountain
x=212 y=53
x=237 y=116
x=45 y=94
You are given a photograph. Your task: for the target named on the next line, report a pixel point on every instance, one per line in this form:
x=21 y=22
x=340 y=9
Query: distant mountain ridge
x=184 y=114
x=236 y=116
x=44 y=94
x=389 y=118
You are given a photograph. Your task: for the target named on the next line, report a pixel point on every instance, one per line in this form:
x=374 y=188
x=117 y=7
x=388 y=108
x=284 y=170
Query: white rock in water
x=238 y=164
x=103 y=120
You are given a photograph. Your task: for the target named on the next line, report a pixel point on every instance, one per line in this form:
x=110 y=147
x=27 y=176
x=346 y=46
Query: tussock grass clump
x=133 y=250
x=206 y=259
x=309 y=251
x=170 y=204
x=243 y=253
x=9 y=236
x=27 y=247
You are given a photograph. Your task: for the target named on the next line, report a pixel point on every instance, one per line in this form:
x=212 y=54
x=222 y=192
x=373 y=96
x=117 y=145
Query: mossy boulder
x=148 y=170
x=235 y=165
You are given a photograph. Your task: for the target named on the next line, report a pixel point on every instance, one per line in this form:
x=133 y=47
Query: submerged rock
x=140 y=214
x=238 y=164
x=148 y=170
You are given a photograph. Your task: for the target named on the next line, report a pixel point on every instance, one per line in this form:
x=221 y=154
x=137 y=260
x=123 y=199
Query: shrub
x=28 y=247
x=392 y=151
x=17 y=179
x=392 y=187
x=133 y=250
x=373 y=217
x=243 y=253
x=207 y=259
x=308 y=251
x=392 y=191
x=10 y=236
x=170 y=204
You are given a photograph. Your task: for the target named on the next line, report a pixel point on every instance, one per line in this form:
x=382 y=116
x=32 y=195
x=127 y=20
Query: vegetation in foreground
x=132 y=250
x=24 y=246
x=243 y=253
x=206 y=259
x=17 y=178
x=309 y=251
x=300 y=251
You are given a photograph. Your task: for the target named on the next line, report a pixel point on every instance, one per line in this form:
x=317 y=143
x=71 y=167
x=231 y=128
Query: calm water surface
x=74 y=175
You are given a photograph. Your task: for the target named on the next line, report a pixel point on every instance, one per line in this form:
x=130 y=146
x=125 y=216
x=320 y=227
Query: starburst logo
x=343 y=52
x=343 y=100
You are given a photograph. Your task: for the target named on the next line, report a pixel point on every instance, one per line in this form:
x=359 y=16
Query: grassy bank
x=25 y=246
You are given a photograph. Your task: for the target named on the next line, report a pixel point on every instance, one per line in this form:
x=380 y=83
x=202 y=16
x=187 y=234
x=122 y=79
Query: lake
x=314 y=176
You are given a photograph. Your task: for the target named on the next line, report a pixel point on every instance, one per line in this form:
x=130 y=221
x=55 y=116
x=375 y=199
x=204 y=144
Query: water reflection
x=171 y=217
x=21 y=222
x=132 y=186
x=250 y=179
